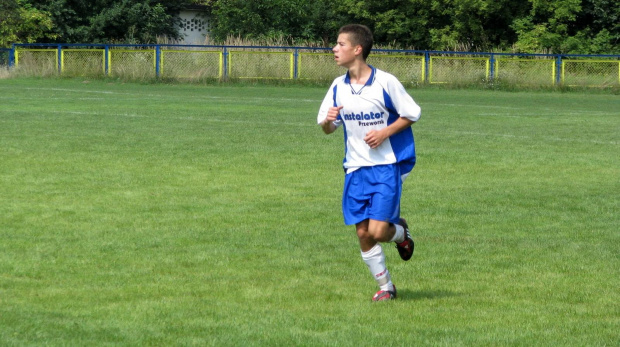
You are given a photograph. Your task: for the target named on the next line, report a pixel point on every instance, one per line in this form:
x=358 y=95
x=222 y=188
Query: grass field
x=154 y=214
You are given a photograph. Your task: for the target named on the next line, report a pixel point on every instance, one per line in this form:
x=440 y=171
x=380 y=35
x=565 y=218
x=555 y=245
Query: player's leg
x=379 y=231
x=404 y=242
x=383 y=231
x=373 y=256
x=385 y=206
x=362 y=198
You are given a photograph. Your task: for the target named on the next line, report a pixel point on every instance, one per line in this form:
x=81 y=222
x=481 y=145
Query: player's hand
x=375 y=138
x=333 y=113
x=328 y=124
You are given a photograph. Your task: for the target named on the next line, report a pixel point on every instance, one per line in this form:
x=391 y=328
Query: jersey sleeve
x=329 y=101
x=404 y=104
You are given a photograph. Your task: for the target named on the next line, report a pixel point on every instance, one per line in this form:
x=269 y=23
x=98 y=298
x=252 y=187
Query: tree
x=597 y=28
x=293 y=20
x=135 y=22
x=547 y=24
x=437 y=24
x=20 y=22
x=473 y=25
x=129 y=21
x=569 y=26
x=555 y=26
x=401 y=23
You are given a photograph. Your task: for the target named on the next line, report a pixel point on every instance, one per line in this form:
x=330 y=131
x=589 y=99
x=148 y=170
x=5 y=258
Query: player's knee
x=379 y=231
x=363 y=234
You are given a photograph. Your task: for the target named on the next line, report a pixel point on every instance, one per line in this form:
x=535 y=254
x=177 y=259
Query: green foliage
x=546 y=25
x=437 y=24
x=476 y=25
x=569 y=26
x=131 y=23
x=296 y=20
x=599 y=29
x=127 y=21
x=563 y=26
x=550 y=26
x=20 y=22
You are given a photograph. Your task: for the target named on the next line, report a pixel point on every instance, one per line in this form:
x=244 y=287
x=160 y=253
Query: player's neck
x=359 y=73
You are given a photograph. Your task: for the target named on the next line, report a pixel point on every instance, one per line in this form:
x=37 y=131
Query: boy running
x=376 y=113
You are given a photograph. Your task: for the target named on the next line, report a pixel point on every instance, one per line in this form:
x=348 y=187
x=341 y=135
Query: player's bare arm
x=375 y=138
x=328 y=124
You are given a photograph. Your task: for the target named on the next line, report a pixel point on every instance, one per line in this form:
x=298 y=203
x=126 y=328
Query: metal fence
x=4 y=57
x=196 y=62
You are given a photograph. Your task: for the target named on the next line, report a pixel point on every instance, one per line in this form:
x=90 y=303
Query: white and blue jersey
x=373 y=106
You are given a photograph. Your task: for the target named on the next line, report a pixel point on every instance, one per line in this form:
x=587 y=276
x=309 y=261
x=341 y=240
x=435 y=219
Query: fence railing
x=4 y=57
x=305 y=63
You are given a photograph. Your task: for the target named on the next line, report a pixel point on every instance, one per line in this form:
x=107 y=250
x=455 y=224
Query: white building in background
x=194 y=25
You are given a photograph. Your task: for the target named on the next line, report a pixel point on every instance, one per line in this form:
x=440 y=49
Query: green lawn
x=154 y=214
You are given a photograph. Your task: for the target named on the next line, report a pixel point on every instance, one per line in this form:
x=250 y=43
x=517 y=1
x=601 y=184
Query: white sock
x=375 y=260
x=399 y=235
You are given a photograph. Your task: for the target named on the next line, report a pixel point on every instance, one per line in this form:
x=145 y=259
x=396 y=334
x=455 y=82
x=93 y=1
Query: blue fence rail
x=414 y=66
x=6 y=55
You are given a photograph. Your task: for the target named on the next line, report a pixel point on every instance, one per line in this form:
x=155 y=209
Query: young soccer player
x=376 y=113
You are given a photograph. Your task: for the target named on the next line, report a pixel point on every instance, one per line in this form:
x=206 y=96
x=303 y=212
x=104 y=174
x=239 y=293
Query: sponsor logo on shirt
x=365 y=119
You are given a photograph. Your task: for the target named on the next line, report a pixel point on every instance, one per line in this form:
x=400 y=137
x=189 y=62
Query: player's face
x=344 y=51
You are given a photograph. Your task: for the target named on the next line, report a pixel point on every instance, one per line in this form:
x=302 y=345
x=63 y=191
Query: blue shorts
x=372 y=192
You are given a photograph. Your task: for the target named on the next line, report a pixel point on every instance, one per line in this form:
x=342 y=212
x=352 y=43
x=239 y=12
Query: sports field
x=155 y=214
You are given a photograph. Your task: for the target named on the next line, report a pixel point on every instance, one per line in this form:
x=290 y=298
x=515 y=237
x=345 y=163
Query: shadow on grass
x=406 y=294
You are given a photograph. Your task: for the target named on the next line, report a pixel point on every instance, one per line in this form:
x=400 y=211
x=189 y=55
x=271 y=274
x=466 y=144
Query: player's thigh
x=386 y=193
x=355 y=199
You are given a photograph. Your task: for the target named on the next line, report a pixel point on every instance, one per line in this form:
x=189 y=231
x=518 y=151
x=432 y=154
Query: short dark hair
x=359 y=35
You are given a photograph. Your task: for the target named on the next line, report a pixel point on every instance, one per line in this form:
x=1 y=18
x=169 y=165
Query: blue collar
x=371 y=79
